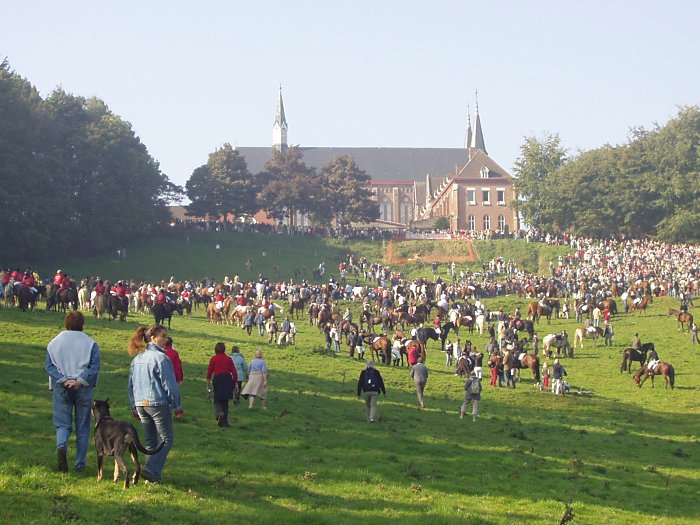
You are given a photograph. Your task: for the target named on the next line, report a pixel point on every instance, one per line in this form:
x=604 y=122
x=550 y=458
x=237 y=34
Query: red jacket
x=58 y=279
x=221 y=364
x=28 y=281
x=120 y=290
x=175 y=360
x=100 y=289
x=17 y=276
x=161 y=299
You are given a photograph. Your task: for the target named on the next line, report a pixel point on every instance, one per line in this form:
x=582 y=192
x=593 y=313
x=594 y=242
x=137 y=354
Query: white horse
x=84 y=299
x=479 y=323
x=557 y=341
x=594 y=332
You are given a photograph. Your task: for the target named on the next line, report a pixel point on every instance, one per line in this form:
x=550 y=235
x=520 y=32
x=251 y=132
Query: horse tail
x=671 y=375
x=537 y=370
x=623 y=367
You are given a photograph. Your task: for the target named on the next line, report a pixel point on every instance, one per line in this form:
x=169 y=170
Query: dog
x=112 y=438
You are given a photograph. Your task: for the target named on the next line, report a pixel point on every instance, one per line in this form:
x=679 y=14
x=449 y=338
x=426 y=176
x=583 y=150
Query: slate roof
x=382 y=164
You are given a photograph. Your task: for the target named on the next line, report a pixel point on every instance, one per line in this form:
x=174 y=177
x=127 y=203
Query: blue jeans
x=157 y=424
x=65 y=402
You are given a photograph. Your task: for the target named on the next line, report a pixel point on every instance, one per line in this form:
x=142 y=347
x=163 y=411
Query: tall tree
x=223 y=185
x=349 y=197
x=288 y=185
x=536 y=170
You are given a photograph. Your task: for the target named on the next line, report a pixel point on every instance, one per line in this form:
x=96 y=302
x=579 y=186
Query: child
x=545 y=375
x=177 y=367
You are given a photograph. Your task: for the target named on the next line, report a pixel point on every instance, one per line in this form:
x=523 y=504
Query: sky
x=191 y=76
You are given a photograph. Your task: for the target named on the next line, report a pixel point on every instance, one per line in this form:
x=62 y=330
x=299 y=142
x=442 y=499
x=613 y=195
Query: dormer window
x=484 y=173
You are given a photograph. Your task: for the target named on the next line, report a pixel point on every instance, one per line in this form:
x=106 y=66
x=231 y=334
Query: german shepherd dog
x=112 y=438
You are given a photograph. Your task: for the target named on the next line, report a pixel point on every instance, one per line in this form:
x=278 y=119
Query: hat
x=370 y=364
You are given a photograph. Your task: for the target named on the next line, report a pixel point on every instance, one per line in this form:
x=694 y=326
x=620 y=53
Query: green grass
x=193 y=255
x=624 y=456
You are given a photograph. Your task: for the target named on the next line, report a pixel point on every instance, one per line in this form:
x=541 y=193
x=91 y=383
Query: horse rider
x=636 y=343
x=29 y=282
x=58 y=278
x=99 y=287
x=161 y=298
x=652 y=361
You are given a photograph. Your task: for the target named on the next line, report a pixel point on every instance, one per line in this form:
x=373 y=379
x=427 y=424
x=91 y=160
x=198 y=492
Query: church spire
x=478 y=137
x=279 y=128
x=468 y=138
x=428 y=190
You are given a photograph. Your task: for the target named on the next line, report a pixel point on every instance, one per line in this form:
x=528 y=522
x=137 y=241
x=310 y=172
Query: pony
x=557 y=341
x=346 y=327
x=118 y=307
x=594 y=332
x=161 y=312
x=662 y=367
x=84 y=299
x=213 y=313
x=26 y=299
x=632 y=354
x=100 y=306
x=642 y=305
x=380 y=346
x=68 y=299
x=296 y=307
x=683 y=319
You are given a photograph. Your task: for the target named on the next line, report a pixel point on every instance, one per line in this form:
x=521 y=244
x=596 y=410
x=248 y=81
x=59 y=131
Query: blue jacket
x=152 y=380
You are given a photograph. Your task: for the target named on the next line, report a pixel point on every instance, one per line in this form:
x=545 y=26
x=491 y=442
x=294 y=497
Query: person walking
x=153 y=394
x=694 y=334
x=174 y=357
x=419 y=374
x=473 y=395
x=256 y=386
x=608 y=334
x=241 y=371
x=222 y=375
x=371 y=383
x=271 y=329
x=259 y=321
x=73 y=365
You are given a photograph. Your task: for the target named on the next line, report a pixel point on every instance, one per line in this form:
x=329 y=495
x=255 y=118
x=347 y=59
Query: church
x=415 y=186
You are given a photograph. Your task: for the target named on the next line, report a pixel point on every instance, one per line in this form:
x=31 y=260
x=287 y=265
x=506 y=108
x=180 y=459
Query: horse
x=118 y=307
x=213 y=313
x=367 y=318
x=346 y=327
x=9 y=294
x=412 y=346
x=632 y=354
x=26 y=299
x=524 y=325
x=662 y=367
x=642 y=305
x=531 y=362
x=610 y=304
x=535 y=310
x=557 y=341
x=467 y=321
x=161 y=312
x=380 y=346
x=68 y=299
x=100 y=306
x=594 y=332
x=84 y=298
x=683 y=319
x=296 y=307
x=435 y=335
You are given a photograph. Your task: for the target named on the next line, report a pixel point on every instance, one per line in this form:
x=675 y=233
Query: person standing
x=271 y=329
x=371 y=383
x=153 y=394
x=694 y=334
x=248 y=321
x=73 y=365
x=174 y=357
x=257 y=381
x=224 y=378
x=241 y=370
x=608 y=333
x=419 y=374
x=558 y=373
x=259 y=321
x=473 y=395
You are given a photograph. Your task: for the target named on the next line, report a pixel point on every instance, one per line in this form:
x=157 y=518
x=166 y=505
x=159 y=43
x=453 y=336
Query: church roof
x=382 y=164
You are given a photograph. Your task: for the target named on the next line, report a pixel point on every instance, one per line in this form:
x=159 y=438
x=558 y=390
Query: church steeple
x=279 y=128
x=468 y=138
x=478 y=137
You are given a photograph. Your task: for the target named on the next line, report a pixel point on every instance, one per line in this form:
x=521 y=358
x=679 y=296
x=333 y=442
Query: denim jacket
x=152 y=380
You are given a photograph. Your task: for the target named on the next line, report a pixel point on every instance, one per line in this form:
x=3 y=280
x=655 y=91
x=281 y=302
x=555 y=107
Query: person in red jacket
x=29 y=282
x=119 y=290
x=58 y=278
x=222 y=375
x=174 y=357
x=100 y=288
x=161 y=298
x=240 y=301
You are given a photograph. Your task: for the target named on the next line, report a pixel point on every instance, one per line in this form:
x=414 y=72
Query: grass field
x=623 y=456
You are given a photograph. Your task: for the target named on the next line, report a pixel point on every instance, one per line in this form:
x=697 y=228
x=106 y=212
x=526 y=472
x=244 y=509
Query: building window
x=301 y=220
x=472 y=223
x=487 y=222
x=484 y=173
x=386 y=210
x=501 y=194
x=405 y=211
x=501 y=223
x=485 y=196
x=471 y=196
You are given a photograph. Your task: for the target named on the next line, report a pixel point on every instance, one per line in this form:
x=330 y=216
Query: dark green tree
x=348 y=196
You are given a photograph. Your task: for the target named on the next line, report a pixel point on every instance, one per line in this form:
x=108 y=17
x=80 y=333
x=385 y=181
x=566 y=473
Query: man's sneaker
x=62 y=459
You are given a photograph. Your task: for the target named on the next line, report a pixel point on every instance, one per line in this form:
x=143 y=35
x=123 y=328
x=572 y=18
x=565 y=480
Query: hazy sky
x=190 y=76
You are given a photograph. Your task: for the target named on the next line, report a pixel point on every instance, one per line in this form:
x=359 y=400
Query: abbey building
x=417 y=185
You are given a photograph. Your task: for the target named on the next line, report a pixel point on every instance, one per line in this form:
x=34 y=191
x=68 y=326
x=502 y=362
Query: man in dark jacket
x=371 y=383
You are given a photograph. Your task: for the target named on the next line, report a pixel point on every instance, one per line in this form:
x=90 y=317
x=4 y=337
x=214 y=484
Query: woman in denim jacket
x=153 y=394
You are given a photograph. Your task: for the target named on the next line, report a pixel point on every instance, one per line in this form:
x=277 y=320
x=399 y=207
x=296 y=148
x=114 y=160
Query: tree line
x=336 y=194
x=75 y=178
x=649 y=186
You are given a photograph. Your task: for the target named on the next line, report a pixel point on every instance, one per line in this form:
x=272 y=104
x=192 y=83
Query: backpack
x=475 y=386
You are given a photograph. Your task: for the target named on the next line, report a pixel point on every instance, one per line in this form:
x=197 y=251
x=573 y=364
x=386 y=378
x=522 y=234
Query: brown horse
x=535 y=310
x=380 y=346
x=367 y=318
x=533 y=363
x=632 y=354
x=642 y=305
x=610 y=304
x=683 y=319
x=411 y=347
x=662 y=368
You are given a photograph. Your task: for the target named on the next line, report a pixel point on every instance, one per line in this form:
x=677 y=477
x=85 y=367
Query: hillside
x=194 y=255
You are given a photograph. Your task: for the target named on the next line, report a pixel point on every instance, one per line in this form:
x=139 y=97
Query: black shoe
x=62 y=459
